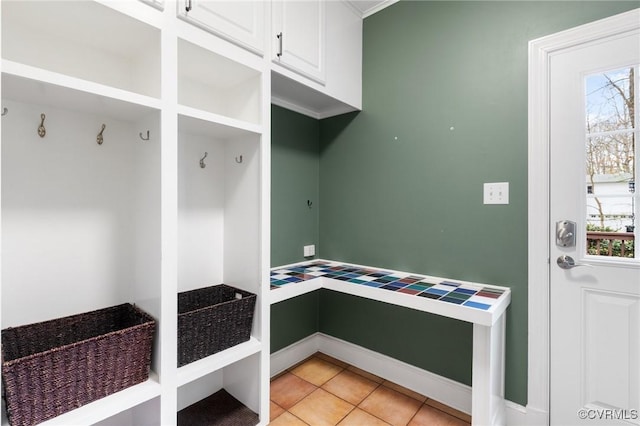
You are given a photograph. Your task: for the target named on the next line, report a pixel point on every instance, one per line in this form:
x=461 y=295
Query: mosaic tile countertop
x=474 y=296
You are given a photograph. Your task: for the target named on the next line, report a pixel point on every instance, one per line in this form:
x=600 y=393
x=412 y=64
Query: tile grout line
x=378 y=385
x=346 y=368
x=342 y=369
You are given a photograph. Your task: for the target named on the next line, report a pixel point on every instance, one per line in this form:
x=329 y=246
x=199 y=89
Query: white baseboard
x=447 y=391
x=517 y=415
x=294 y=353
x=442 y=389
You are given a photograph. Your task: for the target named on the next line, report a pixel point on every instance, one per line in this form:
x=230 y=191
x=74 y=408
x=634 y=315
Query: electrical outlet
x=309 y=250
x=496 y=193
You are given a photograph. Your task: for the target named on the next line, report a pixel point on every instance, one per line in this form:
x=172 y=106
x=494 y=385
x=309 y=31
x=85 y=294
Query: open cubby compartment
x=85 y=40
x=80 y=221
x=219 y=209
x=219 y=206
x=240 y=379
x=210 y=82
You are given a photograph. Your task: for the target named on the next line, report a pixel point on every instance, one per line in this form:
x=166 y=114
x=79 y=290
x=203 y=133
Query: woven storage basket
x=212 y=319
x=52 y=367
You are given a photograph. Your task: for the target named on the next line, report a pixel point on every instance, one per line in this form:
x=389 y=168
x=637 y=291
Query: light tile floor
x=325 y=391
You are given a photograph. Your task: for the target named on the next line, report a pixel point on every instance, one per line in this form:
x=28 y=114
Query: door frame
x=540 y=51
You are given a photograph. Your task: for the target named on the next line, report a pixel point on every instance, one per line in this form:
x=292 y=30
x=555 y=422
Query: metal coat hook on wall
x=143 y=138
x=100 y=139
x=202 y=164
x=41 y=130
x=239 y=160
x=5 y=111
x=309 y=203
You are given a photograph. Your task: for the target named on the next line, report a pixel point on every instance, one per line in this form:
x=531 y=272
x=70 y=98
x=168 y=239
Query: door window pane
x=611 y=157
x=610 y=101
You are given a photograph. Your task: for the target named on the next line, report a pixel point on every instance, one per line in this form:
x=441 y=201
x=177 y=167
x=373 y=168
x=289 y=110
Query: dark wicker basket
x=55 y=366
x=212 y=319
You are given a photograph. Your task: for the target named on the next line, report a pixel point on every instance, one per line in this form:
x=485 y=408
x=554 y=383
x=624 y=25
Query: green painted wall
x=444 y=110
x=295 y=179
x=294 y=319
x=400 y=333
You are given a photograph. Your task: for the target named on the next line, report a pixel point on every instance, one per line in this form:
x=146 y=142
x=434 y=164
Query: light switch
x=496 y=193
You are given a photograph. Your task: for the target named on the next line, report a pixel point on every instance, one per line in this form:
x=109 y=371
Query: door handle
x=567 y=262
x=279 y=36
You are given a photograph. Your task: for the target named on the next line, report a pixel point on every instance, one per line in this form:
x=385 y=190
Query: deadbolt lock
x=565 y=233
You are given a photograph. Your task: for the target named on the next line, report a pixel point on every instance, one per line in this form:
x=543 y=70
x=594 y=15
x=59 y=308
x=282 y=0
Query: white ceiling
x=369 y=7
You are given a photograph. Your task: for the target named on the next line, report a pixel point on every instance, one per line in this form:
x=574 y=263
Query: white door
x=299 y=37
x=595 y=280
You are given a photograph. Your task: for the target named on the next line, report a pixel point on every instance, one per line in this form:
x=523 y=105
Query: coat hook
x=239 y=160
x=143 y=138
x=41 y=130
x=100 y=139
x=202 y=165
x=5 y=111
x=309 y=203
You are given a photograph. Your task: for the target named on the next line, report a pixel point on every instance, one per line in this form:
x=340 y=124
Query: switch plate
x=496 y=193
x=309 y=250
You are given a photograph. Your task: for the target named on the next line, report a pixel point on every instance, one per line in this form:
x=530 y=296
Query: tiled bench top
x=463 y=300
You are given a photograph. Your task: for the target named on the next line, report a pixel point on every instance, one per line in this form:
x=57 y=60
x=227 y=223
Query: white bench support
x=487 y=383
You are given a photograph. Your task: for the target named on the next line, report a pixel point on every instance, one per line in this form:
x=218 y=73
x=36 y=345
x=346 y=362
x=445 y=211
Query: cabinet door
x=241 y=22
x=159 y=4
x=299 y=39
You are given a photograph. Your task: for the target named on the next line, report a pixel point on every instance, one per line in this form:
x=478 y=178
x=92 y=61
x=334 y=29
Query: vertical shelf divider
x=169 y=221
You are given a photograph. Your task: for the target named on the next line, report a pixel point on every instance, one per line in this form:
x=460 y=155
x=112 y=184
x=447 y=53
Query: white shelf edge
x=215 y=362
x=218 y=119
x=105 y=407
x=49 y=77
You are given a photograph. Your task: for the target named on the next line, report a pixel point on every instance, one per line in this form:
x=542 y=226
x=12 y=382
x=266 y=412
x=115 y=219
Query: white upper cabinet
x=317 y=62
x=241 y=22
x=159 y=4
x=299 y=37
